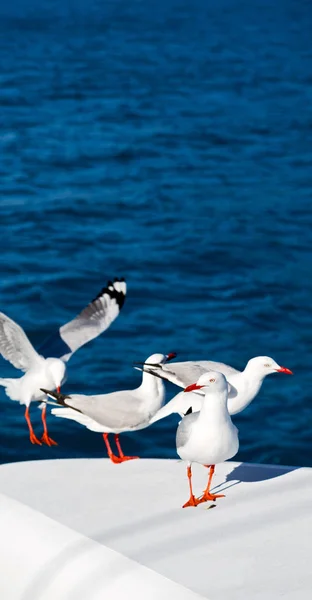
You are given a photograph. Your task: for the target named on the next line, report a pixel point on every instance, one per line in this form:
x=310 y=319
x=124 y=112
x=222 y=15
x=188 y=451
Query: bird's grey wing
x=185 y=428
x=177 y=373
x=118 y=410
x=189 y=372
x=185 y=373
x=95 y=318
x=210 y=365
x=15 y=345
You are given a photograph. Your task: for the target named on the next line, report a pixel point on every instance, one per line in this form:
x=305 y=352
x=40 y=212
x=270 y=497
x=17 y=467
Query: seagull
x=207 y=437
x=243 y=386
x=126 y=410
x=50 y=372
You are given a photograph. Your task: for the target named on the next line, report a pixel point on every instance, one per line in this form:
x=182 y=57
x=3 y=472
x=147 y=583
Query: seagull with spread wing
x=50 y=372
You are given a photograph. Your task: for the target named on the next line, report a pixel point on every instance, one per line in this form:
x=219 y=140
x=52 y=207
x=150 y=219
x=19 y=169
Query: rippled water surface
x=169 y=143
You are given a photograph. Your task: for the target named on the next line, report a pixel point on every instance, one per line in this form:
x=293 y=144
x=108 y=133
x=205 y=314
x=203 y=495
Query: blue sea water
x=169 y=143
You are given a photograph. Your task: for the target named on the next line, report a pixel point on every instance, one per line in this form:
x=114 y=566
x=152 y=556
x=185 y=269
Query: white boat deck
x=77 y=529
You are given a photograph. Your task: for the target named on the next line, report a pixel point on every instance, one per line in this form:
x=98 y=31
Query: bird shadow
x=251 y=473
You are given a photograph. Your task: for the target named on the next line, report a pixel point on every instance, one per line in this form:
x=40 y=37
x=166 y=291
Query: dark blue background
x=170 y=143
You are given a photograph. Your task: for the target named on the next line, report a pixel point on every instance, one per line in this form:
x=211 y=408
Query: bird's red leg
x=33 y=438
x=121 y=454
x=207 y=495
x=192 y=501
x=114 y=459
x=45 y=437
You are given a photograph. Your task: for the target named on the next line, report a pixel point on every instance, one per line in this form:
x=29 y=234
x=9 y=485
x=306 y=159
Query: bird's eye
x=267 y=365
x=212 y=380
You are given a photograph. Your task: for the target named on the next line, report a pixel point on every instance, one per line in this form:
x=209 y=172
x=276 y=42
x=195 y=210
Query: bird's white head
x=210 y=382
x=57 y=369
x=264 y=365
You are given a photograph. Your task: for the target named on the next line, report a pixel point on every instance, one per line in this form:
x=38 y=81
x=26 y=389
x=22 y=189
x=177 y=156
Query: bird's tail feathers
x=74 y=415
x=47 y=401
x=12 y=388
x=65 y=413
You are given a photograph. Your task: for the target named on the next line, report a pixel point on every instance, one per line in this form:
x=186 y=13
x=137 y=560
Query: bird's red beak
x=170 y=356
x=192 y=387
x=284 y=370
x=58 y=389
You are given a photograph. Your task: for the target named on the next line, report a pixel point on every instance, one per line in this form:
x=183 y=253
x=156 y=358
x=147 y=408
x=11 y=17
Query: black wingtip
x=112 y=293
x=46 y=391
x=189 y=411
x=60 y=398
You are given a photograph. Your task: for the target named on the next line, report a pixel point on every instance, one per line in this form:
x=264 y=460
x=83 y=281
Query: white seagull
x=207 y=437
x=243 y=386
x=51 y=372
x=126 y=410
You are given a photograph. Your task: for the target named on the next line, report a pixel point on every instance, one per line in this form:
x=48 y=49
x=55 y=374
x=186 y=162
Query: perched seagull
x=207 y=437
x=51 y=372
x=243 y=386
x=127 y=410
